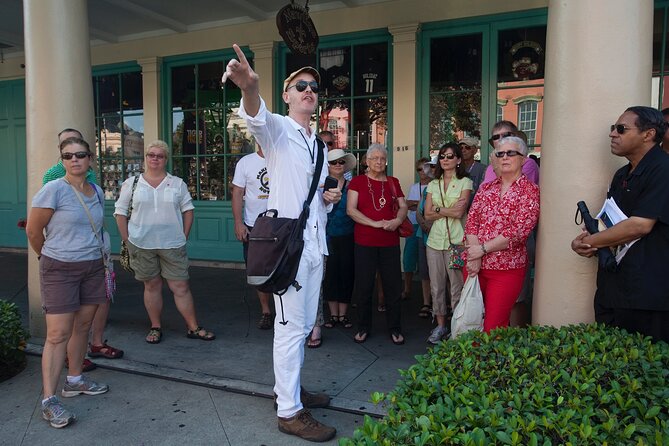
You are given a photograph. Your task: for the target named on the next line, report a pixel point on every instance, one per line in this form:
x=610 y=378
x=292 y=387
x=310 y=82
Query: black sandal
x=332 y=322
x=397 y=337
x=345 y=322
x=156 y=333
x=195 y=334
x=361 y=336
x=425 y=311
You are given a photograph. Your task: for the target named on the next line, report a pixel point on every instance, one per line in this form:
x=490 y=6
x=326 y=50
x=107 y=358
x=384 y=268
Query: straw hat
x=338 y=154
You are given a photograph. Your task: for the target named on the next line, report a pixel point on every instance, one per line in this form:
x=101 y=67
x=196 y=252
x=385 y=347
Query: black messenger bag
x=276 y=244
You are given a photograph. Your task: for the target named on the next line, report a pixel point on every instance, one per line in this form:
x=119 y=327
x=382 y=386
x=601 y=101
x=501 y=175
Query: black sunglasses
x=450 y=156
x=330 y=143
x=340 y=162
x=302 y=85
x=509 y=153
x=79 y=155
x=494 y=138
x=621 y=129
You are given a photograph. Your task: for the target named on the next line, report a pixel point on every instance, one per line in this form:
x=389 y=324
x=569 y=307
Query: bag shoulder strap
x=88 y=213
x=448 y=229
x=132 y=195
x=317 y=172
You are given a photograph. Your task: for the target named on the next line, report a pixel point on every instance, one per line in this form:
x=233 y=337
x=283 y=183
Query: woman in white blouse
x=160 y=220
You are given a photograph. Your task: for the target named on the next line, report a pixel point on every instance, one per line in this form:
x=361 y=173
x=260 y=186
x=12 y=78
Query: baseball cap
x=470 y=141
x=310 y=70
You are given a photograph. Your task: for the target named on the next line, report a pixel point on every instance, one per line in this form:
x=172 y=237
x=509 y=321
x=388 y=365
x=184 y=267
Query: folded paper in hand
x=611 y=215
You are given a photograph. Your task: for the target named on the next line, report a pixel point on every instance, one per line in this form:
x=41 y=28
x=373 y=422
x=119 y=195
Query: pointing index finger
x=240 y=54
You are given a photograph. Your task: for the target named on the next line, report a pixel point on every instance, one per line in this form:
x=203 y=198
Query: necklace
x=382 y=199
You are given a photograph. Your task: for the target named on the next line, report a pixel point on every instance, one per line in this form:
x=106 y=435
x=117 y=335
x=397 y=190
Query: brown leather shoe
x=303 y=425
x=310 y=400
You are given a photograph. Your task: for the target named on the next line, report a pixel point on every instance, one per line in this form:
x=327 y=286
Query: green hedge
x=12 y=341
x=577 y=385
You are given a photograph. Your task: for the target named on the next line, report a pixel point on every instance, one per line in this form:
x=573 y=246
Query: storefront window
x=354 y=93
x=119 y=128
x=521 y=56
x=455 y=88
x=208 y=136
x=660 y=79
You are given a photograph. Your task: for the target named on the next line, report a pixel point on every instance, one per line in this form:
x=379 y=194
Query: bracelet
x=485 y=251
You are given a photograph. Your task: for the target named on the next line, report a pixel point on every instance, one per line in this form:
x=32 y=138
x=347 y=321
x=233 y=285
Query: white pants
x=299 y=308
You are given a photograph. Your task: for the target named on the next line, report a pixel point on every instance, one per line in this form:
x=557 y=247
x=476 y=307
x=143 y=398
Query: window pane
x=186 y=169
x=335 y=117
x=454 y=115
x=521 y=54
x=212 y=178
x=210 y=94
x=177 y=133
x=110 y=135
x=132 y=91
x=527 y=120
x=371 y=69
x=183 y=87
x=335 y=70
x=193 y=134
x=133 y=140
x=370 y=122
x=240 y=139
x=108 y=94
x=455 y=63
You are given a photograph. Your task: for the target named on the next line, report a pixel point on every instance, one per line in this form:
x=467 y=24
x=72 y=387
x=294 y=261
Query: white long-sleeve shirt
x=291 y=161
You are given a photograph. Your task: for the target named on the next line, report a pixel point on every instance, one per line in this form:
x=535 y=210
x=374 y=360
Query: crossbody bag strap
x=317 y=172
x=132 y=195
x=443 y=203
x=88 y=213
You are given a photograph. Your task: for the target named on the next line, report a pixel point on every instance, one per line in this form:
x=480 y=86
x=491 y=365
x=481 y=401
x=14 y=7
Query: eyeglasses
x=335 y=162
x=329 y=143
x=449 y=156
x=155 y=156
x=494 y=138
x=621 y=129
x=509 y=153
x=466 y=147
x=377 y=158
x=302 y=85
x=78 y=155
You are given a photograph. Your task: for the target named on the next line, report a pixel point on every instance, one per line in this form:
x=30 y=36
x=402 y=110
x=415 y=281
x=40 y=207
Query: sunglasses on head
x=620 y=128
x=509 y=153
x=494 y=138
x=302 y=85
x=340 y=162
x=449 y=156
x=79 y=155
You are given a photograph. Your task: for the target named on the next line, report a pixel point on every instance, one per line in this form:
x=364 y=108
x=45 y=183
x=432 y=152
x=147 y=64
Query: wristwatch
x=437 y=209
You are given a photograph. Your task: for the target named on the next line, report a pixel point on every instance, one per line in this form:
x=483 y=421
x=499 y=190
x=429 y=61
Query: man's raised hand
x=240 y=72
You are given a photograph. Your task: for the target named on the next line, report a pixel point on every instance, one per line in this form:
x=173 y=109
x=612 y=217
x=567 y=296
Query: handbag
x=455 y=260
x=105 y=246
x=406 y=227
x=470 y=311
x=276 y=243
x=124 y=255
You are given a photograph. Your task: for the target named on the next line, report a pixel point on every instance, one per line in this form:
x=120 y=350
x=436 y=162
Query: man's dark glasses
x=302 y=85
x=340 y=162
x=509 y=153
x=450 y=156
x=494 y=138
x=79 y=155
x=620 y=128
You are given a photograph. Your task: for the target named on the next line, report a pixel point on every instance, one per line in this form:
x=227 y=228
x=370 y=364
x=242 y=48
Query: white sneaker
x=438 y=334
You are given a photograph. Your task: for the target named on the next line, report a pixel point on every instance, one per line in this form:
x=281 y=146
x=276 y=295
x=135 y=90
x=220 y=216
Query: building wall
x=213 y=232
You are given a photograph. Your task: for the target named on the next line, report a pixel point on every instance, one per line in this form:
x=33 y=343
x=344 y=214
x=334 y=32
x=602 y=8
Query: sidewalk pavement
x=187 y=390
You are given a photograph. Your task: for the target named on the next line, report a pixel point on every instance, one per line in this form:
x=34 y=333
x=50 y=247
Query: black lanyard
x=312 y=151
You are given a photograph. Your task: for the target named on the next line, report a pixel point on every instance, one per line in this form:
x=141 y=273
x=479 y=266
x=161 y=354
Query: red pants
x=500 y=291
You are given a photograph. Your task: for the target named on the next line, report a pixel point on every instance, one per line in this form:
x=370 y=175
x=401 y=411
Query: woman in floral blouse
x=503 y=214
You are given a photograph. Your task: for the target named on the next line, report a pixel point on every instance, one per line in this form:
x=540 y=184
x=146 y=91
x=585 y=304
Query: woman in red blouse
x=377 y=242
x=503 y=214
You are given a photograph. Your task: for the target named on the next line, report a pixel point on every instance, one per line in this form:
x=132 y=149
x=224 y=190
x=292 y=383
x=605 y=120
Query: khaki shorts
x=66 y=286
x=172 y=264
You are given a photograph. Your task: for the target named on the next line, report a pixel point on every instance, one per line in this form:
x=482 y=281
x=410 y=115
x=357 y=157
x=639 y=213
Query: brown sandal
x=104 y=350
